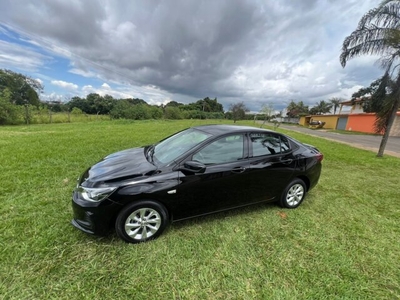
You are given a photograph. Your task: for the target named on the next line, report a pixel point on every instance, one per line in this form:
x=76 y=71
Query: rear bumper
x=315 y=174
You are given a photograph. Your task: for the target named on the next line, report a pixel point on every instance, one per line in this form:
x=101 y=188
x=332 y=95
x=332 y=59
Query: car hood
x=118 y=167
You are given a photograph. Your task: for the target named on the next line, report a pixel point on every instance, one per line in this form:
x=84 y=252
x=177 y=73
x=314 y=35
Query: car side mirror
x=193 y=167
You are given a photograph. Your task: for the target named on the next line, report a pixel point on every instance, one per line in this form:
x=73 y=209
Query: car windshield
x=171 y=148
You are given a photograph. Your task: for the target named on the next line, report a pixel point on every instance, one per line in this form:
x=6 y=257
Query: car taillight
x=320 y=156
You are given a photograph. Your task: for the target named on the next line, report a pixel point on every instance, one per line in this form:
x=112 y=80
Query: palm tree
x=335 y=103
x=378 y=33
x=320 y=108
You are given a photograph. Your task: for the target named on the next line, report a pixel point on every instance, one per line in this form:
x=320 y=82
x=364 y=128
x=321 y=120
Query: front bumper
x=94 y=217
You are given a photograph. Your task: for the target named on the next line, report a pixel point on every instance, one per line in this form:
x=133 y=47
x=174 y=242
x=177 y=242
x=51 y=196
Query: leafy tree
x=122 y=110
x=205 y=105
x=173 y=112
x=372 y=96
x=78 y=103
x=377 y=98
x=141 y=112
x=136 y=101
x=378 y=33
x=267 y=110
x=24 y=89
x=56 y=106
x=194 y=114
x=322 y=107
x=238 y=111
x=209 y=105
x=173 y=104
x=93 y=104
x=295 y=110
x=215 y=106
x=190 y=106
x=155 y=112
x=107 y=104
x=96 y=104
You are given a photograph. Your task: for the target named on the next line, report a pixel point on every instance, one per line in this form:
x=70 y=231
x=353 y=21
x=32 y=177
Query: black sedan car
x=194 y=172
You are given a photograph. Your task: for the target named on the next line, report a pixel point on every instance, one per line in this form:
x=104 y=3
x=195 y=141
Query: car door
x=271 y=165
x=222 y=184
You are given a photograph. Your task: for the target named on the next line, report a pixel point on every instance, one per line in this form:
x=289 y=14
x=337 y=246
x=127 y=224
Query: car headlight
x=95 y=194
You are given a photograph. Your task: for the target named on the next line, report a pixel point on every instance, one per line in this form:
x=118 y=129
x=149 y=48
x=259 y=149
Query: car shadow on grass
x=246 y=212
x=109 y=238
x=232 y=213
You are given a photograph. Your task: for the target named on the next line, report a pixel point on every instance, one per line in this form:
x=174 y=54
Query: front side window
x=268 y=144
x=223 y=150
x=171 y=148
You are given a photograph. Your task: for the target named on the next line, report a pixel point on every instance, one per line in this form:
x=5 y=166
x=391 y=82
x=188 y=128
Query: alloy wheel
x=142 y=223
x=295 y=194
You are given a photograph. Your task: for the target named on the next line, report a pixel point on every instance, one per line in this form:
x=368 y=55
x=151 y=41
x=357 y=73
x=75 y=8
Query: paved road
x=368 y=142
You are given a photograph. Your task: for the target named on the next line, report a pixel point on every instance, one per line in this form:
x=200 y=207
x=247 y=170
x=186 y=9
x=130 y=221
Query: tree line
x=19 y=102
x=138 y=109
x=298 y=109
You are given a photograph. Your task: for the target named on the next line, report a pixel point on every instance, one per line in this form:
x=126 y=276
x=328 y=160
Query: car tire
x=141 y=221
x=294 y=194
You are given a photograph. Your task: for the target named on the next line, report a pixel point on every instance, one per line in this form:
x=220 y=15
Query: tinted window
x=223 y=150
x=268 y=144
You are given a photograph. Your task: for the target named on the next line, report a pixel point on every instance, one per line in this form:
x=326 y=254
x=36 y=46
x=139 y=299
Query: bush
x=155 y=112
x=125 y=110
x=10 y=113
x=173 y=113
x=76 y=111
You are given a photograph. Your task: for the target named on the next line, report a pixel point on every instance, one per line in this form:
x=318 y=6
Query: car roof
x=219 y=129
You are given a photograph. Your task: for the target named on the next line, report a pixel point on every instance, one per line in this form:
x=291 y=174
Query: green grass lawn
x=343 y=242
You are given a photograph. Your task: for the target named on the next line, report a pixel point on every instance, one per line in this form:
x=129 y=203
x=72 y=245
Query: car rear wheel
x=294 y=194
x=141 y=221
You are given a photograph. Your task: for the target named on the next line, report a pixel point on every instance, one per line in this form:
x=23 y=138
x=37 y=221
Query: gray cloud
x=236 y=50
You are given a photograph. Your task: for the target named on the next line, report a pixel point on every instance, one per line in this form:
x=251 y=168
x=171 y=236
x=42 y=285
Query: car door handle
x=238 y=170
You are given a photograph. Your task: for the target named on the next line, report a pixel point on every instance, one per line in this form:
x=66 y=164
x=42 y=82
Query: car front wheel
x=141 y=221
x=294 y=194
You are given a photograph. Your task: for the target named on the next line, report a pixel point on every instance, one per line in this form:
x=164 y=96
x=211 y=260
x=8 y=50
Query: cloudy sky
x=236 y=50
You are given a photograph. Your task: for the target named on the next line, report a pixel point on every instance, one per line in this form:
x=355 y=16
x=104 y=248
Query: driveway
x=367 y=142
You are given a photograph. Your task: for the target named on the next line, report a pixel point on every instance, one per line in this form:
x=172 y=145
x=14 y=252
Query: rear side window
x=268 y=144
